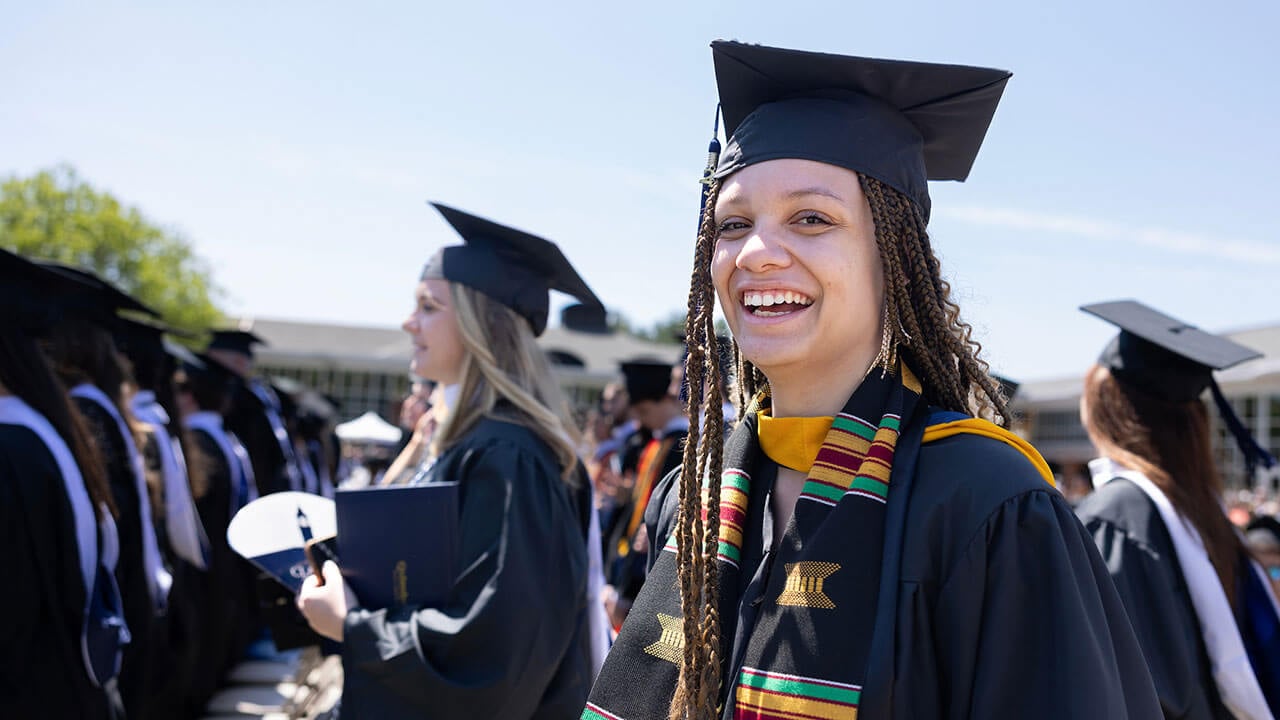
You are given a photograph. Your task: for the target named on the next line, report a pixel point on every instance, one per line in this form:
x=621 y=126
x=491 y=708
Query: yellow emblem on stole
x=670 y=645
x=804 y=584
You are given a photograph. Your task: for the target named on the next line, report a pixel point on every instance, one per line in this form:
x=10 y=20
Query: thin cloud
x=1167 y=240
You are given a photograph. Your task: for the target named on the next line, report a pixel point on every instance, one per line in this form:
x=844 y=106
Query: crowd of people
x=820 y=515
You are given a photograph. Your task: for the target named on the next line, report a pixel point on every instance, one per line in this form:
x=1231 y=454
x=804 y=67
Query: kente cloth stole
x=646 y=477
x=803 y=652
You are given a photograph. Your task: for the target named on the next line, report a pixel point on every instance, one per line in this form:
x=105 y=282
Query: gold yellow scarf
x=792 y=442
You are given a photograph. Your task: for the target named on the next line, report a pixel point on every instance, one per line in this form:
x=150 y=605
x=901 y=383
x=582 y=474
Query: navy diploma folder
x=398 y=544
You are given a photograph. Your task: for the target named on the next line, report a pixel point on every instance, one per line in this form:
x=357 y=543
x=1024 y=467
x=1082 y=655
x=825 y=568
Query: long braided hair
x=922 y=327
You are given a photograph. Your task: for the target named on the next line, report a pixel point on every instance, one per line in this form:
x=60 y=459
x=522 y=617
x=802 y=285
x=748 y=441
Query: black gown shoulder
x=42 y=672
x=1139 y=555
x=512 y=639
x=131 y=573
x=1003 y=608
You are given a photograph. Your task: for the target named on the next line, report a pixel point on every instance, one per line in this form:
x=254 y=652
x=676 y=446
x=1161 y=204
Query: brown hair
x=1168 y=442
x=922 y=327
x=25 y=372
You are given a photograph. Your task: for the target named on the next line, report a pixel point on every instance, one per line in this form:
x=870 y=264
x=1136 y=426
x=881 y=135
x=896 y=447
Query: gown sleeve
x=494 y=649
x=1030 y=624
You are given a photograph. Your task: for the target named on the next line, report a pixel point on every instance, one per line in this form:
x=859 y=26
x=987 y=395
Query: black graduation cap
x=212 y=371
x=29 y=293
x=93 y=297
x=1162 y=356
x=142 y=335
x=646 y=380
x=513 y=267
x=900 y=122
x=585 y=318
x=237 y=341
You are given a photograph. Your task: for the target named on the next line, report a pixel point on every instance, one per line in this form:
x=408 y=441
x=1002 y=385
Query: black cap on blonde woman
x=902 y=123
x=511 y=266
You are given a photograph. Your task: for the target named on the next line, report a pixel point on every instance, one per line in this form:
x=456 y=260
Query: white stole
x=232 y=451
x=186 y=534
x=158 y=578
x=15 y=411
x=1228 y=659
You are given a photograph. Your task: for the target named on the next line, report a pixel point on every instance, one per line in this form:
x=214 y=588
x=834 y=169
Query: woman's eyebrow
x=803 y=192
x=735 y=199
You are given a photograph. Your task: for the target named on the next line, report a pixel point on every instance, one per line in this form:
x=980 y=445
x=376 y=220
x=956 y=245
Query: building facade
x=1049 y=412
x=367 y=368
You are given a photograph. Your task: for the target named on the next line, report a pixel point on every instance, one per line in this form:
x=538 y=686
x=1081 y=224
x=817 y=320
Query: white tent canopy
x=369 y=428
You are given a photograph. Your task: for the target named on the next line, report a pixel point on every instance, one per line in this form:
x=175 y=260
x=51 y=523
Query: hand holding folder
x=395 y=545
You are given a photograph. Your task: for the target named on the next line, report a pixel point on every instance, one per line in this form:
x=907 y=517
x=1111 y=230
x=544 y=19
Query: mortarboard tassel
x=713 y=160
x=1254 y=454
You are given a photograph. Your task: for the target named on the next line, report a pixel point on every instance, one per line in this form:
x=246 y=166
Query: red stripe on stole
x=732 y=517
x=881 y=452
x=835 y=453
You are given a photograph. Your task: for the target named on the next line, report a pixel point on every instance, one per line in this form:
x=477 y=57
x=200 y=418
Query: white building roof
x=387 y=350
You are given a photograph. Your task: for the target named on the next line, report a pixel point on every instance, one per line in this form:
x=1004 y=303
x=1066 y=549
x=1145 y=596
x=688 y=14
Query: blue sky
x=295 y=144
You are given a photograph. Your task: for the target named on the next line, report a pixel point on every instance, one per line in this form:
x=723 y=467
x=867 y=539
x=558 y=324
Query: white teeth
x=778 y=297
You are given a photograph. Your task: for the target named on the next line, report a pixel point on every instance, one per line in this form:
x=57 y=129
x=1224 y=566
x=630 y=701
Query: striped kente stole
x=803 y=647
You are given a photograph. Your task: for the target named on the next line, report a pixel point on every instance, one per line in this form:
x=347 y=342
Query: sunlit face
x=437 y=344
x=796 y=267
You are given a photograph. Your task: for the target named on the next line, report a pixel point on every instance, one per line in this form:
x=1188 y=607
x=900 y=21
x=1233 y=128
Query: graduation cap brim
x=94 y=296
x=211 y=367
x=1162 y=355
x=511 y=266
x=646 y=380
x=30 y=293
x=181 y=354
x=900 y=122
x=238 y=341
x=583 y=318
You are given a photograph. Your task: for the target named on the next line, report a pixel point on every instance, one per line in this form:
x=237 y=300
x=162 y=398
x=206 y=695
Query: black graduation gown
x=131 y=571
x=626 y=570
x=248 y=420
x=1135 y=544
x=174 y=673
x=227 y=600
x=42 y=672
x=1001 y=607
x=512 y=641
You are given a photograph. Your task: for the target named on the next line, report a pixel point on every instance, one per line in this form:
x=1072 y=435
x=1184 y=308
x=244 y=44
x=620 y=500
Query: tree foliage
x=57 y=216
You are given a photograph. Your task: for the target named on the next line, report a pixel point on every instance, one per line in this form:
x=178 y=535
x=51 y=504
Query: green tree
x=55 y=215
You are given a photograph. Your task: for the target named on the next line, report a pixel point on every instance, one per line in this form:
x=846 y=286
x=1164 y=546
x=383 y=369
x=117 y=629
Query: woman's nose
x=761 y=250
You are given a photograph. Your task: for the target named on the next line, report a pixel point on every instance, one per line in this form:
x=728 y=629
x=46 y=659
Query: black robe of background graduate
x=512 y=640
x=1211 y=656
x=42 y=671
x=1139 y=553
x=131 y=571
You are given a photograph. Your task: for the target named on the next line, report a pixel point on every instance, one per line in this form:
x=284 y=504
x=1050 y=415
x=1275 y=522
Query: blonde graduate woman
x=874 y=546
x=515 y=637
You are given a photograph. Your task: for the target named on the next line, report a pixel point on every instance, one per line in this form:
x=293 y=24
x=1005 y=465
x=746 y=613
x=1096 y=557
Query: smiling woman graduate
x=870 y=548
x=514 y=638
